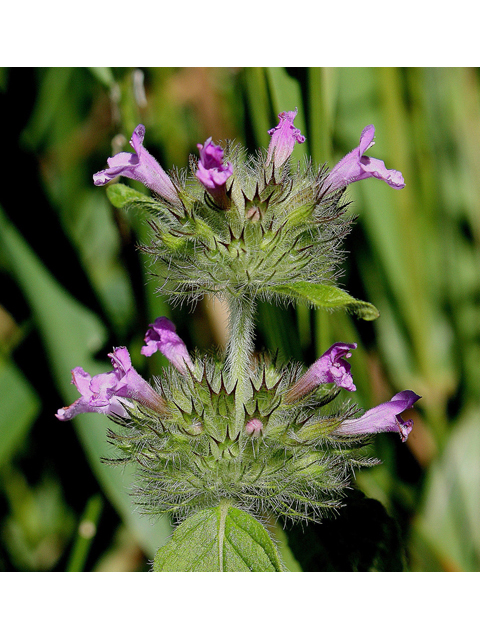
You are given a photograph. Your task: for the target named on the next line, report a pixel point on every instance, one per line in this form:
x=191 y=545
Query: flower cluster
x=241 y=427
x=278 y=229
x=193 y=452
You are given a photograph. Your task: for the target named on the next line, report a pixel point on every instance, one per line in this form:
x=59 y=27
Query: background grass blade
x=72 y=335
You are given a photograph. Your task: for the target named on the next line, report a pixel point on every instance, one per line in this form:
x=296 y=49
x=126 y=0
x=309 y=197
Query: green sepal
x=223 y=538
x=120 y=196
x=300 y=215
x=326 y=296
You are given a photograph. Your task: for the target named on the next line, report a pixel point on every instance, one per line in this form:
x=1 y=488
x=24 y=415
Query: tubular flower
x=385 y=417
x=355 y=166
x=212 y=173
x=109 y=392
x=130 y=384
x=140 y=166
x=284 y=136
x=330 y=367
x=163 y=337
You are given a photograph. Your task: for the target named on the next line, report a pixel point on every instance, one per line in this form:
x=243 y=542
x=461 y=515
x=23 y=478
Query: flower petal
x=140 y=166
x=130 y=383
x=384 y=417
x=108 y=392
x=212 y=173
x=284 y=136
x=329 y=368
x=355 y=166
x=163 y=337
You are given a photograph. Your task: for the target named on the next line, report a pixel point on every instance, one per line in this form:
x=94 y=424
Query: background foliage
x=72 y=285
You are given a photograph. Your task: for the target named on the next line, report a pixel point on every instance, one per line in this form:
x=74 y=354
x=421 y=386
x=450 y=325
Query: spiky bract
x=198 y=452
x=279 y=226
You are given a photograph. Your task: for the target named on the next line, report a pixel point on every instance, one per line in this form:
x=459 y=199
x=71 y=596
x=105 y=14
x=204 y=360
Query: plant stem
x=240 y=350
x=86 y=532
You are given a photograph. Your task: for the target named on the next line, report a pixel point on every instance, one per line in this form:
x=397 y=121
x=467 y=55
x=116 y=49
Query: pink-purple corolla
x=140 y=166
x=284 y=137
x=110 y=392
x=162 y=337
x=212 y=173
x=384 y=417
x=331 y=367
x=355 y=166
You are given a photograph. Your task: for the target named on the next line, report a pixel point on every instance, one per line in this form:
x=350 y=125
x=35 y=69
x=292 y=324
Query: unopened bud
x=254 y=427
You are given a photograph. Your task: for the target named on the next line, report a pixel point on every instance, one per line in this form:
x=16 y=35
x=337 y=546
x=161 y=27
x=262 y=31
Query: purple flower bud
x=385 y=417
x=355 y=166
x=212 y=173
x=162 y=337
x=254 y=427
x=139 y=166
x=284 y=136
x=108 y=393
x=330 y=367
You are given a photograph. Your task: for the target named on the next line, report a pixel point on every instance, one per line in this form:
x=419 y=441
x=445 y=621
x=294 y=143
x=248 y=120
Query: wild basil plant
x=223 y=443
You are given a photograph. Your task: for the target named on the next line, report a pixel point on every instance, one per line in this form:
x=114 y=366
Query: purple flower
x=355 y=166
x=284 y=136
x=130 y=384
x=109 y=392
x=162 y=337
x=254 y=427
x=212 y=173
x=385 y=417
x=331 y=367
x=139 y=166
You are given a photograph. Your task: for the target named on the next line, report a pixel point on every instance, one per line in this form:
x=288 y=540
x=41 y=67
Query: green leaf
x=20 y=406
x=72 y=334
x=120 y=196
x=328 y=297
x=219 y=539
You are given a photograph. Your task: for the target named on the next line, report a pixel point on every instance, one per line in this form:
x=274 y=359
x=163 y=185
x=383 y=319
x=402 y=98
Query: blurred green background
x=73 y=284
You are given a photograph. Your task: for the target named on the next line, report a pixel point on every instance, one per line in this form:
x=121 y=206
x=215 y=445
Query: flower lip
x=140 y=166
x=284 y=136
x=355 y=166
x=162 y=337
x=331 y=367
x=110 y=392
x=383 y=418
x=212 y=173
x=97 y=395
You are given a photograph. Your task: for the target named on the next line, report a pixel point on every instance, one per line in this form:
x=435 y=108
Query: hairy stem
x=240 y=349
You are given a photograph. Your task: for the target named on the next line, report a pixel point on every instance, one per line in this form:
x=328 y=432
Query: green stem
x=240 y=350
x=86 y=532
